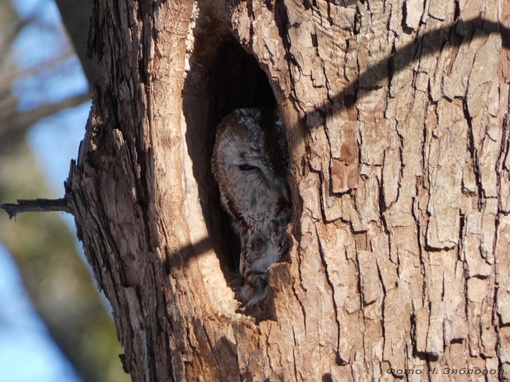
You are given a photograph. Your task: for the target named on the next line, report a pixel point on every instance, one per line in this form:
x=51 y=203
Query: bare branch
x=9 y=76
x=9 y=38
x=20 y=122
x=37 y=205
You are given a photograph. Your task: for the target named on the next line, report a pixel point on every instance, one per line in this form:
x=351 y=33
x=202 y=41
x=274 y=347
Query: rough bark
x=396 y=115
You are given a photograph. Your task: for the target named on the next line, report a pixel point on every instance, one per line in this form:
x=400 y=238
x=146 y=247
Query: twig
x=37 y=205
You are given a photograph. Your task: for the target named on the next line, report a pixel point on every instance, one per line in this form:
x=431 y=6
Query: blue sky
x=27 y=353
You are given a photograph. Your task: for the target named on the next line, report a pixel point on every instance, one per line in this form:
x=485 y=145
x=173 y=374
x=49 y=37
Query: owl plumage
x=250 y=163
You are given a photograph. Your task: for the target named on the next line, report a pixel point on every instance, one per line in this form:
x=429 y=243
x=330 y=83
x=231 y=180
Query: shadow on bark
x=233 y=79
x=222 y=78
x=426 y=45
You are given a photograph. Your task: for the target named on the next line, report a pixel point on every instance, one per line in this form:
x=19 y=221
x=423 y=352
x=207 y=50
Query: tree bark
x=397 y=122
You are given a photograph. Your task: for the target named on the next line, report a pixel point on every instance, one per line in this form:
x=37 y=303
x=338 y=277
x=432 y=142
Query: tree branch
x=19 y=122
x=37 y=205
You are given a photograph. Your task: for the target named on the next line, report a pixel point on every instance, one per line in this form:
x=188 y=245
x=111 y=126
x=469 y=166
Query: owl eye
x=247 y=167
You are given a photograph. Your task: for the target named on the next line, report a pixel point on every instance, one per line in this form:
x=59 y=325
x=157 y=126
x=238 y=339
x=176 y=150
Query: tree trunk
x=396 y=116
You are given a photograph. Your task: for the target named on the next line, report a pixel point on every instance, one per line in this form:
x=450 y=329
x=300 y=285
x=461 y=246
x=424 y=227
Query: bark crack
x=332 y=287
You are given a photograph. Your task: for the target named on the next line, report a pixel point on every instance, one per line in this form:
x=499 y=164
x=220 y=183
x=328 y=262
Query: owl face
x=254 y=184
x=250 y=164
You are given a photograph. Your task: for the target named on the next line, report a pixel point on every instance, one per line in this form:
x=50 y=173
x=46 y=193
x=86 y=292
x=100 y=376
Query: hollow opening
x=222 y=77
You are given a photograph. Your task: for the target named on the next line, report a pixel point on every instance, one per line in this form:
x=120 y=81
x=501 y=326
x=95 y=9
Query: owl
x=250 y=163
